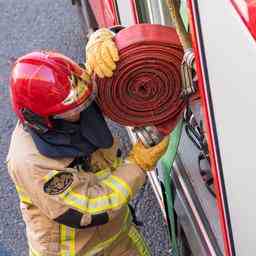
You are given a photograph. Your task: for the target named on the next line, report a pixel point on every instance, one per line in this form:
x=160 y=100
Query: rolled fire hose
x=145 y=89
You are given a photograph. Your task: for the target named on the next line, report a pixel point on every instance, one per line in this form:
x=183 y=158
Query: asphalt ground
x=29 y=25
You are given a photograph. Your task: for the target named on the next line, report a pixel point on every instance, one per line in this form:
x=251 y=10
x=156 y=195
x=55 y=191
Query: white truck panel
x=231 y=55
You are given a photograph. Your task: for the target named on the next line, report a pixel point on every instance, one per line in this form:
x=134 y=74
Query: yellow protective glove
x=146 y=158
x=101 y=53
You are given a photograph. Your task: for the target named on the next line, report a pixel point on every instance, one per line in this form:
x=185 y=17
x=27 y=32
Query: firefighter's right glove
x=101 y=53
x=146 y=158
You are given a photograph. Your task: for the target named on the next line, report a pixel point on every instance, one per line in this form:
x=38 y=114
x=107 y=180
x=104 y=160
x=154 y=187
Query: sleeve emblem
x=59 y=183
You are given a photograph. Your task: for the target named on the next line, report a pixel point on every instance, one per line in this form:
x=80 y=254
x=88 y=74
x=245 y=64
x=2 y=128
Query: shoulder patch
x=58 y=183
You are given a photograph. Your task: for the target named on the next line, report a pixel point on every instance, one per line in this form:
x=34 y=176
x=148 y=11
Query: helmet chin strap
x=37 y=123
x=34 y=121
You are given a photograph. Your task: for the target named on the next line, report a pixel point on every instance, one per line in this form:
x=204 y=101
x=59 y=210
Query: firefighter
x=73 y=185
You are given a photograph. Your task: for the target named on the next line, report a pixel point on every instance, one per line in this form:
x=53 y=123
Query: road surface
x=45 y=24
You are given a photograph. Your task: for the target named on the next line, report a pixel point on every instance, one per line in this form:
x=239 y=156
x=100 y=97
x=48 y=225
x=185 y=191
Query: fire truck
x=205 y=183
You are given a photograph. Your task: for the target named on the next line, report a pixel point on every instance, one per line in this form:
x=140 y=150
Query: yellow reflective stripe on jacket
x=119 y=186
x=32 y=252
x=117 y=162
x=24 y=198
x=103 y=174
x=120 y=196
x=92 y=205
x=50 y=175
x=67 y=241
x=138 y=242
x=101 y=246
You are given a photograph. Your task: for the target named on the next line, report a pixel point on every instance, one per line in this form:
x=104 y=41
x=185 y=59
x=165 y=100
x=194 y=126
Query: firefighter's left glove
x=146 y=158
x=101 y=53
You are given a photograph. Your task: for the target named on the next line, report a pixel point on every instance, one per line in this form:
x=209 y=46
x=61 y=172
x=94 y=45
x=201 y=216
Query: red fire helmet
x=48 y=84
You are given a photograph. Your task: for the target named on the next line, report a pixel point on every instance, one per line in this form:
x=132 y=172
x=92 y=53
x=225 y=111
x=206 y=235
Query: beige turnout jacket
x=48 y=188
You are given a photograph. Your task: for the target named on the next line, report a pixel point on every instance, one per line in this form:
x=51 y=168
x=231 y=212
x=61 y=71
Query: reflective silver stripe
x=50 y=175
x=119 y=186
x=67 y=237
x=101 y=246
x=92 y=205
x=120 y=196
x=32 y=252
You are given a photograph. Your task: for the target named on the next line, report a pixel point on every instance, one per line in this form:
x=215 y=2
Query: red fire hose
x=146 y=87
